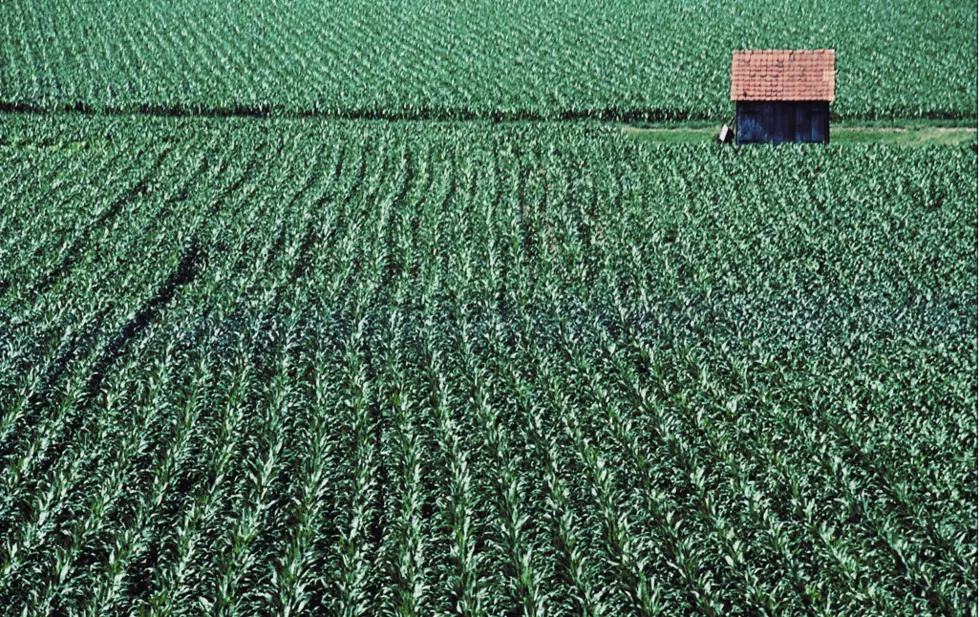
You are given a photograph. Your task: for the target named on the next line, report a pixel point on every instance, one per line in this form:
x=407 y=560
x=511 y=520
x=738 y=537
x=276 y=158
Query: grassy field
x=372 y=368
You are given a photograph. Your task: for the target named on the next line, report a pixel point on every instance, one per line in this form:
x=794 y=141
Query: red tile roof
x=778 y=75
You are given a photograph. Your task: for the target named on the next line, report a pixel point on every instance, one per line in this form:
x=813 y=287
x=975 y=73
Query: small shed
x=782 y=95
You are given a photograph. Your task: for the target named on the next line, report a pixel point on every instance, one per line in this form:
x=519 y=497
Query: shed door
x=752 y=127
x=811 y=122
x=782 y=122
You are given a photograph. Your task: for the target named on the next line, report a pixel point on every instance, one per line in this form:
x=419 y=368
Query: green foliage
x=366 y=368
x=543 y=59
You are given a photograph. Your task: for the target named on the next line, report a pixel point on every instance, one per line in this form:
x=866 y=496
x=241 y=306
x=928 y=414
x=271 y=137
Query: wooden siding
x=776 y=122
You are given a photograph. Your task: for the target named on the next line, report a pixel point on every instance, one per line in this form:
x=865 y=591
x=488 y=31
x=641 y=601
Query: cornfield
x=624 y=60
x=257 y=367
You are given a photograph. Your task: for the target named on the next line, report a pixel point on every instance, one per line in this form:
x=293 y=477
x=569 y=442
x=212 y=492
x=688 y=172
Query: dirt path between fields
x=912 y=136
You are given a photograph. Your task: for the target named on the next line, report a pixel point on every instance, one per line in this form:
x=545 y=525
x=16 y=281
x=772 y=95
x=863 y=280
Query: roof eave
x=738 y=99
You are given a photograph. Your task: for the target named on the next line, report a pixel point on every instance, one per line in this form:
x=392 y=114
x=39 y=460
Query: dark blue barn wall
x=776 y=122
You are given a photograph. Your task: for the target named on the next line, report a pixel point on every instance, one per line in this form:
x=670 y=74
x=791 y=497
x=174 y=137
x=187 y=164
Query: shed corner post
x=827 y=127
x=737 y=123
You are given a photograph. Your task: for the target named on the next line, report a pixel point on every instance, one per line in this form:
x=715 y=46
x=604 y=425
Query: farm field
x=360 y=367
x=625 y=60
x=429 y=308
